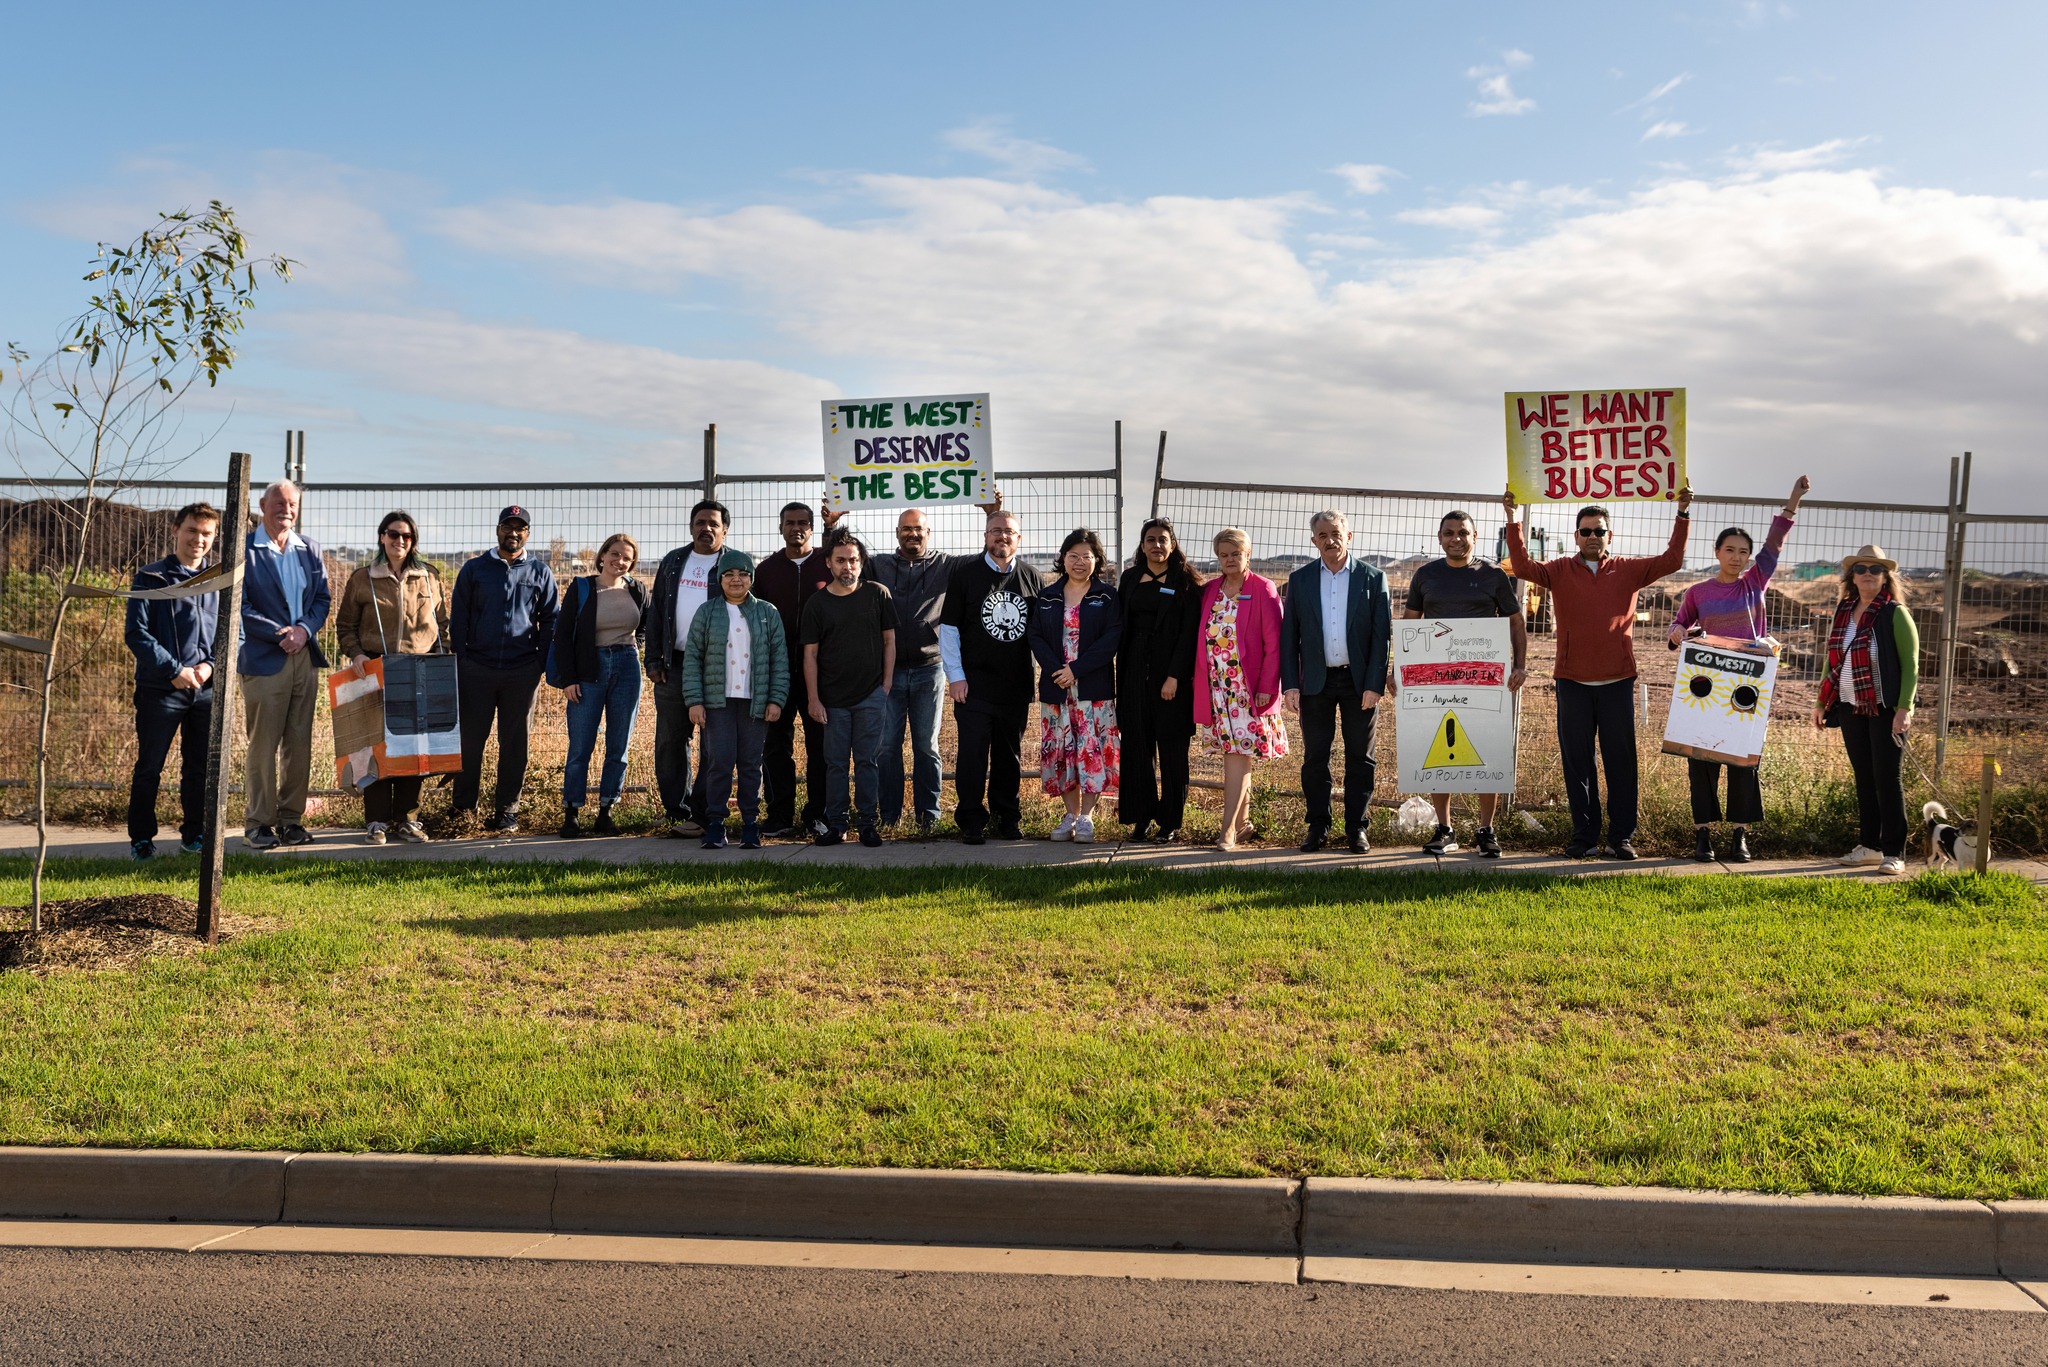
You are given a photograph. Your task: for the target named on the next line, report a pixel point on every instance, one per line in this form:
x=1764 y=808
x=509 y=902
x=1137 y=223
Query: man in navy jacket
x=1336 y=639
x=285 y=598
x=172 y=641
x=501 y=618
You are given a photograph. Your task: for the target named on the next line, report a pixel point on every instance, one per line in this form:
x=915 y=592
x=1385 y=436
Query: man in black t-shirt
x=988 y=665
x=849 y=634
x=1460 y=586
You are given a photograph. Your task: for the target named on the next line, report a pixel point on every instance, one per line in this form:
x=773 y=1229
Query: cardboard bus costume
x=1721 y=700
x=395 y=716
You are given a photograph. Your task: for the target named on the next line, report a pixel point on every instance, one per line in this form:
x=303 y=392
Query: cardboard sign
x=908 y=453
x=395 y=716
x=1721 y=701
x=1596 y=445
x=1454 y=714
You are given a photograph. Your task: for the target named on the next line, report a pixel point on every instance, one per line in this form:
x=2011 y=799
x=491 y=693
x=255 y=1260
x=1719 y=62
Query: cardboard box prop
x=1454 y=714
x=1721 y=700
x=395 y=717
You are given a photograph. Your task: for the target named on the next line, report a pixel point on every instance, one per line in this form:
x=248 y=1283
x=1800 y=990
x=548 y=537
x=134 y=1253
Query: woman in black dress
x=1155 y=668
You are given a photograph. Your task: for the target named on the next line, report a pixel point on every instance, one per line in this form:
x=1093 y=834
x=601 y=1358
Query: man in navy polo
x=285 y=598
x=172 y=641
x=500 y=620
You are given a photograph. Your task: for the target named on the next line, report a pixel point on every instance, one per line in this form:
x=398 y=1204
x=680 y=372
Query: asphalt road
x=63 y=1306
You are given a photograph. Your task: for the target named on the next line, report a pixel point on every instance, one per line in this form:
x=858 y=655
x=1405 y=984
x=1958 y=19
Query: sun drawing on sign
x=1704 y=690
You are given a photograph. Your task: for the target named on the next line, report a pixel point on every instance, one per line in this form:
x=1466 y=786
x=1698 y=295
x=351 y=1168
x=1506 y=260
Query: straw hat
x=1872 y=553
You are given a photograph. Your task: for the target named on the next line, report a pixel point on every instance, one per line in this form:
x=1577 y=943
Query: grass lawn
x=1702 y=1032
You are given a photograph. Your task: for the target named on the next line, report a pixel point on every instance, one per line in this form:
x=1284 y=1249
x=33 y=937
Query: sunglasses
x=1592 y=531
x=1866 y=569
x=396 y=534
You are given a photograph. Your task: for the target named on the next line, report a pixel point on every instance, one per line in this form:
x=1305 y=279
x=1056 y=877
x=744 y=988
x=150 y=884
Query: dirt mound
x=103 y=932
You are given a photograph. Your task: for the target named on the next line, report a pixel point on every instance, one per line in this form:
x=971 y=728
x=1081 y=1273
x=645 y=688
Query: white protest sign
x=919 y=452
x=1721 y=701
x=1454 y=715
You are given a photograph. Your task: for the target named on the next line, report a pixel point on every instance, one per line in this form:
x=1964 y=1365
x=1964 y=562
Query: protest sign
x=1721 y=701
x=395 y=716
x=1454 y=714
x=1596 y=445
x=901 y=453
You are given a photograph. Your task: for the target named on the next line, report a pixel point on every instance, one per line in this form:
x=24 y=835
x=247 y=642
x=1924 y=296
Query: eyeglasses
x=1592 y=531
x=1866 y=569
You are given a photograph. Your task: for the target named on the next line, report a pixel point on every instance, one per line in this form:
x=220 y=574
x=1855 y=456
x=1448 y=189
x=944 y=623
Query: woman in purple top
x=1731 y=604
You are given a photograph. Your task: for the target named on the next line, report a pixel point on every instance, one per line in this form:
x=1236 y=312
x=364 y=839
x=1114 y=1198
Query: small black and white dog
x=1947 y=843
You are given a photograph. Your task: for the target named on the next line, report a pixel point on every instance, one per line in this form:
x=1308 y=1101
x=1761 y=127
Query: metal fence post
x=1158 y=473
x=1952 y=601
x=1119 y=492
x=234 y=541
x=711 y=460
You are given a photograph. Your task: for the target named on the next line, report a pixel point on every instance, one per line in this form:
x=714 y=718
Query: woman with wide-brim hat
x=1872 y=674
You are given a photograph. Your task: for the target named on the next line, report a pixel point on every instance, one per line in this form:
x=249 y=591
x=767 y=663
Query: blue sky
x=546 y=242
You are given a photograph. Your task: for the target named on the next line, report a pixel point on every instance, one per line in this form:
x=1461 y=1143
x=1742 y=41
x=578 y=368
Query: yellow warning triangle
x=1452 y=748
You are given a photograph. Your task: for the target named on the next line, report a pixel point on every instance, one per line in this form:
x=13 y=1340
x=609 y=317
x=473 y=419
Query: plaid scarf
x=1857 y=659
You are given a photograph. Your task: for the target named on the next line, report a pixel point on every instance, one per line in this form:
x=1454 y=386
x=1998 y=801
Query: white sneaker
x=1860 y=857
x=375 y=835
x=1892 y=865
x=1084 y=830
x=410 y=833
x=1065 y=830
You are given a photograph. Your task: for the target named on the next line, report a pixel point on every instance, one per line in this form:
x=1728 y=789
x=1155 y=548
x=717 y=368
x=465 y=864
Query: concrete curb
x=1317 y=1218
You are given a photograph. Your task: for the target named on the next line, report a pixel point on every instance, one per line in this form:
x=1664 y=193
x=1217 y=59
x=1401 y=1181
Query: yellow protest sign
x=1596 y=445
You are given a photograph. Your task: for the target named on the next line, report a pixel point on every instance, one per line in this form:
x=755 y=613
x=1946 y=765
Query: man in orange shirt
x=1593 y=596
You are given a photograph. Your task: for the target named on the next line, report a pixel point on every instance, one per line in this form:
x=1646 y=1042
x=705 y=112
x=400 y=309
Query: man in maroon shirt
x=788 y=580
x=1593 y=595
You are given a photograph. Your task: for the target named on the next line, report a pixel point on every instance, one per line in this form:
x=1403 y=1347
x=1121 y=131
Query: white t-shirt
x=692 y=591
x=739 y=654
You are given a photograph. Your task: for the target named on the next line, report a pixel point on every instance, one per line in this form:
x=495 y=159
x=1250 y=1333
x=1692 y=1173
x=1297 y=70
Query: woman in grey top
x=597 y=642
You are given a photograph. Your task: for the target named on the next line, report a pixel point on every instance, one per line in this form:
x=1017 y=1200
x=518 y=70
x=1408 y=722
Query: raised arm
x=1525 y=569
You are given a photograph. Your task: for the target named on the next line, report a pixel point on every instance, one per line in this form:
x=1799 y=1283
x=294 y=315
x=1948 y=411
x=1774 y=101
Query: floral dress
x=1078 y=743
x=1237 y=728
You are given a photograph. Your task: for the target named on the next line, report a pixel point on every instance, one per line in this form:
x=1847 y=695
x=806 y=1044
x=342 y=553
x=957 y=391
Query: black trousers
x=778 y=762
x=1153 y=727
x=1322 y=714
x=162 y=715
x=989 y=760
x=1745 y=792
x=1606 y=713
x=505 y=697
x=392 y=800
x=1880 y=798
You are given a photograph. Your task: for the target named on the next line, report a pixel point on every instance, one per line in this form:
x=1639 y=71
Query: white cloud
x=1023 y=157
x=1365 y=178
x=1497 y=96
x=1514 y=59
x=1774 y=161
x=1656 y=93
x=1798 y=308
x=1666 y=128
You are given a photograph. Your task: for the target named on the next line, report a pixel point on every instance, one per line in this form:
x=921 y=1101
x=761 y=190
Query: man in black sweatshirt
x=988 y=666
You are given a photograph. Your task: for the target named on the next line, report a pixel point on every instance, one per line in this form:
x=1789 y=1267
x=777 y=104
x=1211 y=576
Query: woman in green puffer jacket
x=735 y=682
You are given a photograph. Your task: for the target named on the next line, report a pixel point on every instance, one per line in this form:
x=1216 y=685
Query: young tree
x=101 y=409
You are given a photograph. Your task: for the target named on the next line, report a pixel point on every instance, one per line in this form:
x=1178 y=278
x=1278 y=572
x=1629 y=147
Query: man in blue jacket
x=501 y=618
x=172 y=641
x=1336 y=640
x=285 y=598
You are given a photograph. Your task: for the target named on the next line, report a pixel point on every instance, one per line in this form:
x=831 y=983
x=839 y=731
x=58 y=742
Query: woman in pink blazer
x=1237 y=677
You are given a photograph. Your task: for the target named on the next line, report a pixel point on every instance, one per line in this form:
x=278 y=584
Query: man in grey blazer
x=1336 y=640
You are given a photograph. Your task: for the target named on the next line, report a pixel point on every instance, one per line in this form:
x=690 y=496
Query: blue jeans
x=734 y=739
x=613 y=699
x=853 y=734
x=913 y=700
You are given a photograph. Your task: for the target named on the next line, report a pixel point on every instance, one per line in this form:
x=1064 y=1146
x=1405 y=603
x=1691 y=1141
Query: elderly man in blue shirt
x=285 y=599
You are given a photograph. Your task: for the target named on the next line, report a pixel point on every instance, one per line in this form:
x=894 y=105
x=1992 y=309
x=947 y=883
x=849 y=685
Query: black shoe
x=504 y=823
x=1008 y=832
x=1442 y=843
x=570 y=830
x=604 y=825
x=714 y=837
x=1358 y=842
x=830 y=837
x=1313 y=841
x=262 y=838
x=1489 y=843
x=1575 y=850
x=1739 y=853
x=1141 y=831
x=973 y=838
x=870 y=837
x=1624 y=850
x=294 y=834
x=774 y=832
x=1703 y=845
x=1166 y=837
x=750 y=836
x=142 y=849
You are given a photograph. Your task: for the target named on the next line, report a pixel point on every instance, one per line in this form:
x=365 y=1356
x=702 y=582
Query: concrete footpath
x=98 y=842
x=1438 y=1235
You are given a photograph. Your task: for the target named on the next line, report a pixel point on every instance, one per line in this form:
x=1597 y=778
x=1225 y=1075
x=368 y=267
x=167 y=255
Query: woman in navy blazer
x=1074 y=629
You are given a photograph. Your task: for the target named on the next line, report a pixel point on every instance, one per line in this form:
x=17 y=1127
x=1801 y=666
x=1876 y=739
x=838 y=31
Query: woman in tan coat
x=394 y=605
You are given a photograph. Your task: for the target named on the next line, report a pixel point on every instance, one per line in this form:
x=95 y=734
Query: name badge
x=1244 y=598
x=1167 y=591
